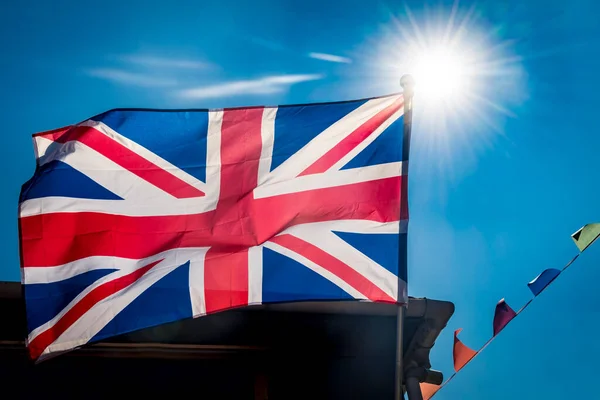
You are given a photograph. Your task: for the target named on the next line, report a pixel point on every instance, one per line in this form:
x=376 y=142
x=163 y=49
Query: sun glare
x=440 y=74
x=467 y=78
x=458 y=64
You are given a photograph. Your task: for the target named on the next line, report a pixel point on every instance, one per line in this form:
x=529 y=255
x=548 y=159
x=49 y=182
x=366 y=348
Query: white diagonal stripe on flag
x=349 y=255
x=330 y=179
x=326 y=140
x=147 y=154
x=316 y=268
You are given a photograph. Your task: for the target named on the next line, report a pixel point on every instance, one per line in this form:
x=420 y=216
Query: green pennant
x=585 y=236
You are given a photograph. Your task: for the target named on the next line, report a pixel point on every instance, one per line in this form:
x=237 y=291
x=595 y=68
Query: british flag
x=136 y=218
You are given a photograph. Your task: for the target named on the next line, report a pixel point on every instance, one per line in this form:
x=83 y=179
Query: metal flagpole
x=407 y=82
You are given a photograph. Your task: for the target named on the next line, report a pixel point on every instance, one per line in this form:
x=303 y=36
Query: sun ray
x=468 y=80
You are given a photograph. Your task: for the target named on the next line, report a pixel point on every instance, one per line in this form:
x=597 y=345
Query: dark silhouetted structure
x=342 y=350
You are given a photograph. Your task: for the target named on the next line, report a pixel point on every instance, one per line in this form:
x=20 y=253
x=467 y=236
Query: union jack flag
x=136 y=218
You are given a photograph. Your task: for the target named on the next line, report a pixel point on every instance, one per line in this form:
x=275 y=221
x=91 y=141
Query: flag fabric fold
x=461 y=353
x=136 y=218
x=502 y=316
x=586 y=235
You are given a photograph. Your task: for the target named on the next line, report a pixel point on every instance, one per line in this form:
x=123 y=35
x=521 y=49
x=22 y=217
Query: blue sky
x=495 y=192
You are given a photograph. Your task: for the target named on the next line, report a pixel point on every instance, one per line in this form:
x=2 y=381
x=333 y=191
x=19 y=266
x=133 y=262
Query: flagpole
x=407 y=82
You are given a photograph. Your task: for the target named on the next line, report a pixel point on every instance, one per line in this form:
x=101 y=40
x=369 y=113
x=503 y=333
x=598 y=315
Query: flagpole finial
x=408 y=85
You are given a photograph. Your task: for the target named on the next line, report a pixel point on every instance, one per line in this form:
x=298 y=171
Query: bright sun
x=440 y=73
x=466 y=79
x=460 y=69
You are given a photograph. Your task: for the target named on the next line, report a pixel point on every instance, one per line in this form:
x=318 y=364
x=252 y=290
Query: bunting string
x=462 y=354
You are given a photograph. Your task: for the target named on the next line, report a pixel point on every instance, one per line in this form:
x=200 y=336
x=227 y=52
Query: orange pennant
x=462 y=354
x=428 y=390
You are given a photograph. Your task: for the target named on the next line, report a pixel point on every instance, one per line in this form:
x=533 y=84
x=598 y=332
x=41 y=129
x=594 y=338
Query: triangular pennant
x=585 y=236
x=503 y=315
x=542 y=280
x=428 y=390
x=461 y=353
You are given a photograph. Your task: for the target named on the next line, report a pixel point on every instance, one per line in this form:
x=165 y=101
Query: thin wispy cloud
x=165 y=62
x=131 y=78
x=330 y=58
x=147 y=70
x=274 y=46
x=266 y=85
